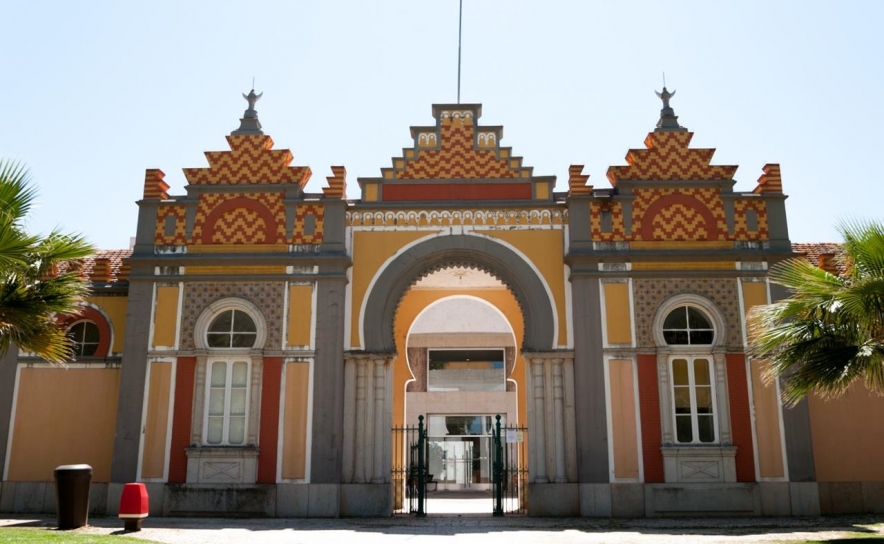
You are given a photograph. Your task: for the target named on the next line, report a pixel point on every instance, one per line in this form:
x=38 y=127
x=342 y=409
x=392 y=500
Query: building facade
x=254 y=350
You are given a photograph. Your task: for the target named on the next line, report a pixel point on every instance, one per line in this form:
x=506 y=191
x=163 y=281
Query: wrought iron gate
x=509 y=457
x=410 y=474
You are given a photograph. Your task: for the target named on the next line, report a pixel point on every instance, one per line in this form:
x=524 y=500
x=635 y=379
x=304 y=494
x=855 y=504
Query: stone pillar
x=538 y=433
x=368 y=415
x=550 y=399
x=559 y=409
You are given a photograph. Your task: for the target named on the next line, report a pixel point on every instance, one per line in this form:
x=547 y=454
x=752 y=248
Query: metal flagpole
x=459 y=34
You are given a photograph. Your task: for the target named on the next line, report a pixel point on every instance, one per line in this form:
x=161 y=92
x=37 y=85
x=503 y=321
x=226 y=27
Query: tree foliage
x=39 y=280
x=830 y=331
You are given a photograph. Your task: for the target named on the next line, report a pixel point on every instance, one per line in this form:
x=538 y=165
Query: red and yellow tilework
x=678 y=215
x=668 y=157
x=251 y=159
x=741 y=229
x=300 y=236
x=464 y=152
x=240 y=218
x=179 y=237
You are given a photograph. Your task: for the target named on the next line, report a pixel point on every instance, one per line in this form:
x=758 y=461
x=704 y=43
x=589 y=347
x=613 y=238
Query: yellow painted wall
x=415 y=300
x=765 y=400
x=76 y=427
x=115 y=310
x=165 y=318
x=300 y=316
x=294 y=437
x=545 y=249
x=156 y=425
x=623 y=419
x=370 y=250
x=848 y=436
x=618 y=320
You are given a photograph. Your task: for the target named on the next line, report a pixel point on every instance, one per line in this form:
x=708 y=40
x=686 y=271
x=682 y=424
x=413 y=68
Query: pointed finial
x=668 y=120
x=249 y=123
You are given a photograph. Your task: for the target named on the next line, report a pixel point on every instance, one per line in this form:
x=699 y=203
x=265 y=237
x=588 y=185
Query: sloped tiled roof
x=116 y=269
x=827 y=255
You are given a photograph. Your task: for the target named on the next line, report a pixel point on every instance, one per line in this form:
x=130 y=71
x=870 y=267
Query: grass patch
x=37 y=535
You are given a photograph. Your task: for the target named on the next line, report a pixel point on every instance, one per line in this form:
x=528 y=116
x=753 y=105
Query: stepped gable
x=251 y=160
x=457 y=159
x=228 y=202
x=668 y=157
x=673 y=193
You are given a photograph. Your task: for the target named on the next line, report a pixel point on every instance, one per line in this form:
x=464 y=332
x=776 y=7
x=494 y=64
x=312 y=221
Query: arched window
x=687 y=325
x=689 y=329
x=86 y=338
x=231 y=329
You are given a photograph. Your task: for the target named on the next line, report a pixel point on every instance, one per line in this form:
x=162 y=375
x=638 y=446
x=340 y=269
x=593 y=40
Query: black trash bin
x=72 y=495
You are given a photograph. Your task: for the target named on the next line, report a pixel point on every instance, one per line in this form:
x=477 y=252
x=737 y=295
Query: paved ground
x=487 y=530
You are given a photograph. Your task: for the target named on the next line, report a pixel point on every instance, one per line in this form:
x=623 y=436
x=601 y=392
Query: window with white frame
x=227 y=403
x=232 y=331
x=690 y=332
x=693 y=400
x=231 y=328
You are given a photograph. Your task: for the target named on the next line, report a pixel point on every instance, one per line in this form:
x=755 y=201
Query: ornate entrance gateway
x=495 y=462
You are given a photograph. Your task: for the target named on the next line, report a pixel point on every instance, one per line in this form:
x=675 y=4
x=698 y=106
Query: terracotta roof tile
x=819 y=253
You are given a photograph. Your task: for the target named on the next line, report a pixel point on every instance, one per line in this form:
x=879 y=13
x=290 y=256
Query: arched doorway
x=455 y=313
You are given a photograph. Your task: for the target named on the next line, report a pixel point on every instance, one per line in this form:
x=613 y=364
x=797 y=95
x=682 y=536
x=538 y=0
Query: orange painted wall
x=294 y=434
x=165 y=319
x=623 y=422
x=370 y=251
x=76 y=427
x=848 y=436
x=156 y=425
x=764 y=400
x=618 y=321
x=415 y=301
x=115 y=310
x=300 y=315
x=545 y=249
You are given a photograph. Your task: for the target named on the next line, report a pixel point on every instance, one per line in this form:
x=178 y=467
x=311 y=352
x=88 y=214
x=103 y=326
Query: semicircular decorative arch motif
x=679 y=217
x=466 y=251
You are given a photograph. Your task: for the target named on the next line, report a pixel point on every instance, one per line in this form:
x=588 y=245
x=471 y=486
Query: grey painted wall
x=458 y=250
x=326 y=459
x=133 y=373
x=796 y=426
x=8 y=366
x=589 y=382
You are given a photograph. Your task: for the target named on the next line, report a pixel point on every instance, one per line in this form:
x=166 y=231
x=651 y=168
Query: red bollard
x=133 y=506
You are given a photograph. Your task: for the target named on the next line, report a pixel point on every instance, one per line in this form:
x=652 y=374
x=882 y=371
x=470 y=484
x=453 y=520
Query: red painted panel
x=649 y=408
x=741 y=424
x=456 y=191
x=268 y=435
x=181 y=418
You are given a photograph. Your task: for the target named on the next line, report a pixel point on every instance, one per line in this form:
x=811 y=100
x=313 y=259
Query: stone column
x=559 y=410
x=380 y=422
x=539 y=430
x=367 y=412
x=359 y=450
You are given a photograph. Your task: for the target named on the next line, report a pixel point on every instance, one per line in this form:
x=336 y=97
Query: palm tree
x=830 y=332
x=39 y=280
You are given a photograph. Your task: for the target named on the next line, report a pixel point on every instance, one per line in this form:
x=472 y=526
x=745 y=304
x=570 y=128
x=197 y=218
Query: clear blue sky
x=95 y=92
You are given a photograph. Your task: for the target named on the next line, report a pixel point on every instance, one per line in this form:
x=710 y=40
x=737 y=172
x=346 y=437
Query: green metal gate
x=509 y=457
x=410 y=474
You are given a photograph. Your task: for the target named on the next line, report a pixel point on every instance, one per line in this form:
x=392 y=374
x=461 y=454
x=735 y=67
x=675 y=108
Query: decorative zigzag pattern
x=251 y=159
x=668 y=157
x=180 y=236
x=741 y=230
x=457 y=158
x=618 y=229
x=251 y=233
x=299 y=236
x=680 y=221
x=239 y=226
